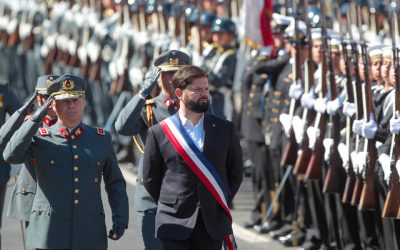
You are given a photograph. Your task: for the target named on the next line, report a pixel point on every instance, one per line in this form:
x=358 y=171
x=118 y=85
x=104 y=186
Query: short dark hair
x=185 y=75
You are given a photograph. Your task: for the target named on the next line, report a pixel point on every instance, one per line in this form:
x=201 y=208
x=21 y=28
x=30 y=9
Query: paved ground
x=246 y=239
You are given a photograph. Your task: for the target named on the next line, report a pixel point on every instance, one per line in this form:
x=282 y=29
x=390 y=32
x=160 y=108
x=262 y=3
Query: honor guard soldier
x=141 y=113
x=21 y=200
x=220 y=61
x=9 y=103
x=71 y=159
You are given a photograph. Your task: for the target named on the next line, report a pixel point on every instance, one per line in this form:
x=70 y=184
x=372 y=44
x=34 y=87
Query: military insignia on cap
x=50 y=80
x=68 y=85
x=101 y=131
x=43 y=131
x=174 y=61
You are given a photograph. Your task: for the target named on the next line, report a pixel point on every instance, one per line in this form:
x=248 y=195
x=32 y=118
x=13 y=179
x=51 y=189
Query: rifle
x=304 y=154
x=350 y=175
x=314 y=167
x=334 y=179
x=289 y=155
x=392 y=202
x=368 y=196
x=355 y=197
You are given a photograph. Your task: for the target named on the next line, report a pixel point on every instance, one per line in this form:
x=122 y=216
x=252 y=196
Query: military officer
x=9 y=103
x=71 y=159
x=25 y=188
x=142 y=112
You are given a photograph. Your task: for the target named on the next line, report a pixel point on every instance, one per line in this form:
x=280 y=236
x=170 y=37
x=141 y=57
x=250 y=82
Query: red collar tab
x=43 y=131
x=101 y=131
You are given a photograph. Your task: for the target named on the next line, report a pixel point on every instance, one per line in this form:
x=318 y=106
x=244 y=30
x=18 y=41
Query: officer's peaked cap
x=44 y=82
x=224 y=24
x=67 y=87
x=172 y=60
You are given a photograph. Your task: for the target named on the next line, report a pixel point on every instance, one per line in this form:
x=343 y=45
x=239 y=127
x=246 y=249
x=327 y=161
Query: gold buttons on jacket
x=76 y=180
x=52 y=161
x=23 y=190
x=76 y=191
x=96 y=180
x=74 y=146
x=76 y=157
x=76 y=168
x=76 y=202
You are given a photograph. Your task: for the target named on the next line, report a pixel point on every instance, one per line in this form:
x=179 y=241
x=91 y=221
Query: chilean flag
x=258 y=16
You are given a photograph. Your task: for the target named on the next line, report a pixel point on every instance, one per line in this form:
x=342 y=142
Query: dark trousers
x=198 y=240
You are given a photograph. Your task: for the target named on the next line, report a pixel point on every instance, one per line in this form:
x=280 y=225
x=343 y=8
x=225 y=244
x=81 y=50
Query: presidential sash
x=201 y=167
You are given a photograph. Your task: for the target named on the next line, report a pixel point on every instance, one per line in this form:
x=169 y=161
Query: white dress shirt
x=196 y=132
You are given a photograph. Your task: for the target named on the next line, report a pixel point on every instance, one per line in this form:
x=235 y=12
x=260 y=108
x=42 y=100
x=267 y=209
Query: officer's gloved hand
x=344 y=153
x=149 y=82
x=41 y=112
x=320 y=104
x=385 y=162
x=295 y=91
x=117 y=231
x=307 y=100
x=333 y=106
x=328 y=142
x=349 y=109
x=398 y=166
x=298 y=128
x=27 y=105
x=312 y=133
x=358 y=126
x=395 y=124
x=369 y=128
x=285 y=121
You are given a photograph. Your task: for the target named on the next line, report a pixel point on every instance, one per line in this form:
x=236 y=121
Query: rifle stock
x=289 y=154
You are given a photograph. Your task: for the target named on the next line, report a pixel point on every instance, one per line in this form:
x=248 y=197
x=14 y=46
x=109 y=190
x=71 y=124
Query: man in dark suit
x=188 y=215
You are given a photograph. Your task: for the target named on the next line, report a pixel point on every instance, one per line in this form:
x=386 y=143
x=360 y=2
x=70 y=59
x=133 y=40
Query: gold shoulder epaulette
x=101 y=131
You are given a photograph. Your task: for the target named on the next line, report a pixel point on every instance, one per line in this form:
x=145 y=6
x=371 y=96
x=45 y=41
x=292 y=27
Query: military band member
x=72 y=159
x=142 y=112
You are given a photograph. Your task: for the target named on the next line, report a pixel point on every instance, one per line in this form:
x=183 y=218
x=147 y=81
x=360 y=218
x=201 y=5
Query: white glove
x=320 y=105
x=385 y=162
x=295 y=91
x=358 y=126
x=328 y=142
x=343 y=152
x=307 y=100
x=369 y=128
x=349 y=109
x=333 y=106
x=361 y=160
x=298 y=128
x=285 y=121
x=395 y=124
x=353 y=157
x=312 y=134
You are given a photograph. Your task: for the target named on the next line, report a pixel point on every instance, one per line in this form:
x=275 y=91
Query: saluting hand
x=42 y=111
x=27 y=105
x=116 y=232
x=149 y=82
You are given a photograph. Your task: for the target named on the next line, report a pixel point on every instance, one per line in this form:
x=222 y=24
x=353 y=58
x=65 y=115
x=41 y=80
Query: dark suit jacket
x=179 y=193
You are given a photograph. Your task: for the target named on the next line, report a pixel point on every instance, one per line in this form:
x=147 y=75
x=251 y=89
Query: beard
x=199 y=106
